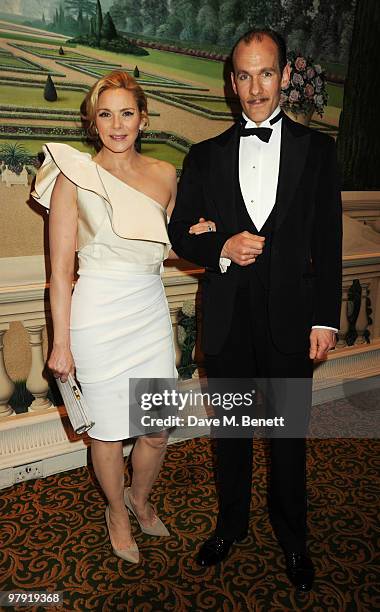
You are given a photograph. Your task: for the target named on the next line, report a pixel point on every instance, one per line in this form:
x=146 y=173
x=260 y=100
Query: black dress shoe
x=213 y=551
x=300 y=571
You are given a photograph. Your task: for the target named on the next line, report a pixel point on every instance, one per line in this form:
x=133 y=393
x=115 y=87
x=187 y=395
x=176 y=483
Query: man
x=272 y=288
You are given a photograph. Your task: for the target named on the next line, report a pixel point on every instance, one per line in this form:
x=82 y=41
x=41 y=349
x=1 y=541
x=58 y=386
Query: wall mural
x=51 y=52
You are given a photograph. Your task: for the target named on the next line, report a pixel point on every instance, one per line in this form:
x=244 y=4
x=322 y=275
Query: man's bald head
x=259 y=35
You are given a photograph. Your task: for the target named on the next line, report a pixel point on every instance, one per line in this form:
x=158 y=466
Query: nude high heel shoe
x=157 y=529
x=130 y=554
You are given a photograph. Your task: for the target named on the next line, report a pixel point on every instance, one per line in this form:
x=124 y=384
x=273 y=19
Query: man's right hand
x=243 y=248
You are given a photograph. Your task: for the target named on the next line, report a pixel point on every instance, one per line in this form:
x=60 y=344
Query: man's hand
x=321 y=341
x=243 y=248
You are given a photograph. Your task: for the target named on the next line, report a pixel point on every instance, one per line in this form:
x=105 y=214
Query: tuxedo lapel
x=224 y=177
x=294 y=147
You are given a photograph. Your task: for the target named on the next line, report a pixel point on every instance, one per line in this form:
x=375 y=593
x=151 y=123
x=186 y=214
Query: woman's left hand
x=202 y=226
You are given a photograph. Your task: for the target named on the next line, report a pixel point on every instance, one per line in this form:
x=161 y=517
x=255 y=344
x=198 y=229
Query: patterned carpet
x=53 y=537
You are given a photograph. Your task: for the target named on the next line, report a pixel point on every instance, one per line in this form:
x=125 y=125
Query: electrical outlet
x=28 y=471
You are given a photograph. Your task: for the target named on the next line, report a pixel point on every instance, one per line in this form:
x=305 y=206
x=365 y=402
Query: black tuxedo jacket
x=304 y=285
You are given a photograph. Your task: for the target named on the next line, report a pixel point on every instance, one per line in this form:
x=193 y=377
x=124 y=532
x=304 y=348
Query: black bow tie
x=264 y=133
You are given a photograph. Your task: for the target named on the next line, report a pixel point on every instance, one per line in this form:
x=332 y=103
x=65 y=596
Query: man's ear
x=233 y=82
x=285 y=76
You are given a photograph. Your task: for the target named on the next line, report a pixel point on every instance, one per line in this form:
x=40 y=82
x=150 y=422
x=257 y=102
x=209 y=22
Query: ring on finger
x=209 y=228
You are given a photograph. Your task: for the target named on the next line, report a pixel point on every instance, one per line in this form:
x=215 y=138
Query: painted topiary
x=50 y=92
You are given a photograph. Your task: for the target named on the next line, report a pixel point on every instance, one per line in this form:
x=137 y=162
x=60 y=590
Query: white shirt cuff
x=224 y=262
x=325 y=327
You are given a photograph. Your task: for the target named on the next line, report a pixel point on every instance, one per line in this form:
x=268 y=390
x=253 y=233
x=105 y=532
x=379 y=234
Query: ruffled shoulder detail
x=134 y=215
x=78 y=167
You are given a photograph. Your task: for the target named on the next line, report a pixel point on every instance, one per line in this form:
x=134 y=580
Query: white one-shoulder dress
x=120 y=324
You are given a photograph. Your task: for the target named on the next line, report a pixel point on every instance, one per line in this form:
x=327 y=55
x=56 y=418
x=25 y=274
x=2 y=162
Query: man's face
x=257 y=79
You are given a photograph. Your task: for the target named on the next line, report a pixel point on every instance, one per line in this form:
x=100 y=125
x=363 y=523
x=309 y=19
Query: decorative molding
x=352 y=363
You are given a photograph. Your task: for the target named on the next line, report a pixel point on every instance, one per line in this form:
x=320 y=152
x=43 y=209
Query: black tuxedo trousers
x=247 y=353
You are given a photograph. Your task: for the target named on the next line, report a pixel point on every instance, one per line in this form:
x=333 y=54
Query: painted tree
x=227 y=12
x=171 y=29
x=119 y=12
x=108 y=30
x=208 y=23
x=50 y=92
x=275 y=15
x=189 y=30
x=325 y=31
x=98 y=21
x=86 y=7
x=91 y=28
x=257 y=13
x=127 y=15
x=186 y=11
x=347 y=25
x=154 y=13
x=358 y=140
x=61 y=16
x=226 y=18
x=81 y=23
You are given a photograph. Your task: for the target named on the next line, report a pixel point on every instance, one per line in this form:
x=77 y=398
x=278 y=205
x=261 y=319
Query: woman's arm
x=200 y=228
x=63 y=223
x=172 y=179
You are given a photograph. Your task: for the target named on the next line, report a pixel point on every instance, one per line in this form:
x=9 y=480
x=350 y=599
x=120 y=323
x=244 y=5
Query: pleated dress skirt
x=120 y=329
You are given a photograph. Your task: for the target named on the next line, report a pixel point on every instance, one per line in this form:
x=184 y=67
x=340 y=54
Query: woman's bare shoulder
x=160 y=166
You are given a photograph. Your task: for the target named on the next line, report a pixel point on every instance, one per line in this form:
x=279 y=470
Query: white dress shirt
x=259 y=164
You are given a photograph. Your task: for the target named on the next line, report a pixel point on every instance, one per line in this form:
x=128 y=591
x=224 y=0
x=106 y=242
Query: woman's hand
x=202 y=226
x=61 y=362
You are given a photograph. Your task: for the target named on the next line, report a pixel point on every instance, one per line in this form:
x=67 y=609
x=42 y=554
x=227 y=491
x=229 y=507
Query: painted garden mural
x=51 y=51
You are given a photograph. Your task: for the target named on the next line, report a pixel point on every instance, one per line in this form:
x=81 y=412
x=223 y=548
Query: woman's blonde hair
x=117 y=79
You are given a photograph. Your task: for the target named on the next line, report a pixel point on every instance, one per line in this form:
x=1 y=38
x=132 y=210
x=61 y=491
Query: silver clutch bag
x=75 y=405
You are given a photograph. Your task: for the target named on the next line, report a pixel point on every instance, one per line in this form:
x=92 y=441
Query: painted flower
x=300 y=63
x=297 y=79
x=309 y=91
x=294 y=96
x=318 y=83
x=307 y=87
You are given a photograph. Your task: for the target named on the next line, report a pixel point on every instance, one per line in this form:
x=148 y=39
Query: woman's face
x=118 y=119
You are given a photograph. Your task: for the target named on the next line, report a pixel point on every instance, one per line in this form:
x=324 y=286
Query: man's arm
x=327 y=257
x=326 y=249
x=205 y=248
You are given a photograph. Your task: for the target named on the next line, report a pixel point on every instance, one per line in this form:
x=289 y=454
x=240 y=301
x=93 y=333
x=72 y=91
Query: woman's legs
x=108 y=462
x=147 y=458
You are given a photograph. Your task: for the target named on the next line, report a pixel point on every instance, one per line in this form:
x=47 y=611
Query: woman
x=112 y=209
